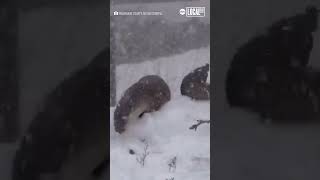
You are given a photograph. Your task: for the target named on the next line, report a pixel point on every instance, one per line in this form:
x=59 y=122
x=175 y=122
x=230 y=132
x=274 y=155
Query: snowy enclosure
x=166 y=131
x=136 y=39
x=160 y=145
x=168 y=136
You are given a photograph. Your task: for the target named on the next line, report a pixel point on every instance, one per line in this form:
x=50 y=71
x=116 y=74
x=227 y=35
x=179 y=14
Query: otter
x=195 y=85
x=149 y=94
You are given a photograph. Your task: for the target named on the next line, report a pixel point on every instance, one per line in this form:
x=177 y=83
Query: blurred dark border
x=9 y=73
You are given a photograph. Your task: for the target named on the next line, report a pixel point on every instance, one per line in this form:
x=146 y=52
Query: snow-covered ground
x=168 y=135
x=166 y=132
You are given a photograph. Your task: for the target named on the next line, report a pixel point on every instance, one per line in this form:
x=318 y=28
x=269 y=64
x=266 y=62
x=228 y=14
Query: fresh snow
x=166 y=131
x=168 y=135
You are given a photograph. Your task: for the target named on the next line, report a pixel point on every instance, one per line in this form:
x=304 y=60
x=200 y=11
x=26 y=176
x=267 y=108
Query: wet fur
x=194 y=84
x=149 y=94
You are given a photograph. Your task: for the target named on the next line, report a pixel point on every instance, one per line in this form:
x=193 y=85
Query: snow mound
x=167 y=135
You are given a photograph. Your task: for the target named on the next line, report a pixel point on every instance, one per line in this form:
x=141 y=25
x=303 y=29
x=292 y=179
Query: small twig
x=172 y=164
x=144 y=155
x=195 y=126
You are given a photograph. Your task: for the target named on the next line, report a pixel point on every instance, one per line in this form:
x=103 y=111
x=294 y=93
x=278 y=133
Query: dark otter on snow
x=194 y=84
x=146 y=95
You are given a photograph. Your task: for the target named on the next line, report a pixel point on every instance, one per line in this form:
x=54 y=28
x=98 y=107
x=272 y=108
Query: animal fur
x=194 y=84
x=149 y=94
